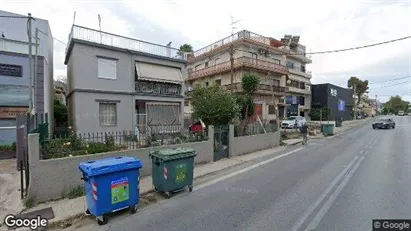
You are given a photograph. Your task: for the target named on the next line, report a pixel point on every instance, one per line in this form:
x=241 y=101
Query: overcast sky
x=322 y=25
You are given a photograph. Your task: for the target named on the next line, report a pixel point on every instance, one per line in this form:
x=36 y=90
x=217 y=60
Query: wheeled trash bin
x=328 y=129
x=173 y=169
x=111 y=184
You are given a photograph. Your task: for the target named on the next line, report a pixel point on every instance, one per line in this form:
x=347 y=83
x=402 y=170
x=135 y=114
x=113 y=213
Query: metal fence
x=74 y=144
x=254 y=129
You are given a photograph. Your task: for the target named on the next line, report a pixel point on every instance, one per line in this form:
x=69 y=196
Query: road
x=338 y=183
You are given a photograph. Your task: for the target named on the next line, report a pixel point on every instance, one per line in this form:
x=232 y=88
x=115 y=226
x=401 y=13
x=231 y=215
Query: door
x=258 y=112
x=220 y=142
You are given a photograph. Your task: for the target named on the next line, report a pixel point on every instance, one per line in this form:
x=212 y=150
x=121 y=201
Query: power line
x=389 y=80
x=392 y=85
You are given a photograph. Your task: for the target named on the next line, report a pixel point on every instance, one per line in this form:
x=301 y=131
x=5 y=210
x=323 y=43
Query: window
x=302 y=85
x=302 y=100
x=271 y=109
x=295 y=84
x=302 y=68
x=206 y=64
x=207 y=83
x=290 y=65
x=276 y=82
x=107 y=68
x=218 y=82
x=108 y=114
x=186 y=103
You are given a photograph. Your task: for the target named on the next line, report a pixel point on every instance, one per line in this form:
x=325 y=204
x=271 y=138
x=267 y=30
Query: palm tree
x=185 y=48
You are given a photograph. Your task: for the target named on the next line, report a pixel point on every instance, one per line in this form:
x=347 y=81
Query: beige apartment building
x=284 y=88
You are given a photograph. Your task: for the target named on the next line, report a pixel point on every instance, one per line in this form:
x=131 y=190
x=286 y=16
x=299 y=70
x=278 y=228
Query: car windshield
x=384 y=120
x=292 y=118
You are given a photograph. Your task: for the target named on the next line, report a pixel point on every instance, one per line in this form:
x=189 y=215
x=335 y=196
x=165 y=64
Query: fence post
x=33 y=148
x=230 y=140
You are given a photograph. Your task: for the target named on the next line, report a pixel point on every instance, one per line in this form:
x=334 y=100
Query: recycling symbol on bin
x=115 y=199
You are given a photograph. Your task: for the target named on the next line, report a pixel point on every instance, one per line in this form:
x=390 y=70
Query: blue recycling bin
x=111 y=184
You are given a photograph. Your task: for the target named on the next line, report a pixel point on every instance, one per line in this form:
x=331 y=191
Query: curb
x=74 y=216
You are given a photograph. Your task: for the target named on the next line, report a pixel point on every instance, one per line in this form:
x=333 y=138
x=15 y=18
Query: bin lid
x=174 y=153
x=109 y=165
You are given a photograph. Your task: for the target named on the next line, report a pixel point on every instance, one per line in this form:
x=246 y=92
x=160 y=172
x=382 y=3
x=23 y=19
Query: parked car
x=293 y=122
x=385 y=123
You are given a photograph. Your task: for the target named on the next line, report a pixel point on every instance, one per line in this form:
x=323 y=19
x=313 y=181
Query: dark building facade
x=339 y=100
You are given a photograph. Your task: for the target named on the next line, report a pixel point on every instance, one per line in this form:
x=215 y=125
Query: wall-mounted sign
x=11 y=70
x=341 y=105
x=333 y=92
x=11 y=112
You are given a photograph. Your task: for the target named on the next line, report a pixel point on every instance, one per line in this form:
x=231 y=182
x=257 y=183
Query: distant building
x=15 y=74
x=339 y=100
x=116 y=83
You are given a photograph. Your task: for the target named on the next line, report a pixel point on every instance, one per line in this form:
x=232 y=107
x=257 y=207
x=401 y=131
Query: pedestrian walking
x=304 y=132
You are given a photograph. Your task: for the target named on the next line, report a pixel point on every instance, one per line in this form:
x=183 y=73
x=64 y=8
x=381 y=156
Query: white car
x=293 y=122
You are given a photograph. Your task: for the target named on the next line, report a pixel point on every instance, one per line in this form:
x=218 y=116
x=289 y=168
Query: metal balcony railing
x=108 y=39
x=239 y=62
x=158 y=89
x=262 y=88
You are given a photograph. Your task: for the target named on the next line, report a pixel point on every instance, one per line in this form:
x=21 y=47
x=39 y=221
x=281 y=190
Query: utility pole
x=376 y=105
x=35 y=70
x=231 y=52
x=355 y=102
x=30 y=63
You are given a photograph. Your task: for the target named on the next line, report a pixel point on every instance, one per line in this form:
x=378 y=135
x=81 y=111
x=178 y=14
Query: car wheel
x=373 y=127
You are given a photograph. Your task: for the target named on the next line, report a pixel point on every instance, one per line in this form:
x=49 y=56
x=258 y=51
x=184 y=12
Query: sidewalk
x=68 y=208
x=347 y=125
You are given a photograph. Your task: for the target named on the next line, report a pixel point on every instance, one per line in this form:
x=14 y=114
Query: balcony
x=157 y=89
x=295 y=71
x=112 y=40
x=299 y=90
x=238 y=63
x=8 y=45
x=261 y=89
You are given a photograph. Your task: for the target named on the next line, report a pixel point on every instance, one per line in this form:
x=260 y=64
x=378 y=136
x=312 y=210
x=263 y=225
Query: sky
x=321 y=24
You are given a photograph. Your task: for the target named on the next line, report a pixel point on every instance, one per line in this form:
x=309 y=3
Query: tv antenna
x=232 y=25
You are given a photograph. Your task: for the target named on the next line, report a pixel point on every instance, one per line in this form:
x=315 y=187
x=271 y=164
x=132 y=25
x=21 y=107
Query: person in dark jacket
x=304 y=132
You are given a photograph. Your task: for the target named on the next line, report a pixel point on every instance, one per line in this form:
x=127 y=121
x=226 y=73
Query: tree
x=249 y=84
x=360 y=87
x=60 y=113
x=395 y=104
x=185 y=48
x=214 y=105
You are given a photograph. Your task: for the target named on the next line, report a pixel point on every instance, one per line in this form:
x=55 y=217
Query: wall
x=49 y=182
x=247 y=144
x=86 y=108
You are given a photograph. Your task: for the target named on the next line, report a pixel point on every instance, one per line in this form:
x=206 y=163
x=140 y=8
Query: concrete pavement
x=330 y=184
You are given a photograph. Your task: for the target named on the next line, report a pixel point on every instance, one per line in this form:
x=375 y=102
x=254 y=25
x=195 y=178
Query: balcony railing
x=262 y=88
x=158 y=89
x=108 y=39
x=237 y=36
x=239 y=62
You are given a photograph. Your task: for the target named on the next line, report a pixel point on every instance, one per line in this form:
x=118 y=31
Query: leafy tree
x=249 y=84
x=317 y=113
x=60 y=113
x=214 y=105
x=360 y=88
x=394 y=105
x=185 y=48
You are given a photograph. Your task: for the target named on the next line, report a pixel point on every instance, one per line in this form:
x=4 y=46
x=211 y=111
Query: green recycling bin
x=328 y=129
x=173 y=169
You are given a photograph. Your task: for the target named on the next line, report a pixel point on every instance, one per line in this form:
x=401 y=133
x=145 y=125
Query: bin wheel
x=102 y=220
x=87 y=213
x=168 y=195
x=190 y=188
x=133 y=209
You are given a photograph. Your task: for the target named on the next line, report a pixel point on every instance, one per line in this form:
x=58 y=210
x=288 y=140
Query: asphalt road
x=338 y=183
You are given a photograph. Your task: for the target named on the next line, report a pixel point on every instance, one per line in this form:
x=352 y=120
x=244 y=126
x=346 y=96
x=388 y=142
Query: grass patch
x=29 y=202
x=75 y=192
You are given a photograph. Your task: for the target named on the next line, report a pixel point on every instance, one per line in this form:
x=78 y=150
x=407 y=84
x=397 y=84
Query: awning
x=158 y=73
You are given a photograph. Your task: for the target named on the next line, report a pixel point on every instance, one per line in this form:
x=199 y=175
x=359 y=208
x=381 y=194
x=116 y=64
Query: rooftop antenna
x=74 y=18
x=232 y=25
x=99 y=25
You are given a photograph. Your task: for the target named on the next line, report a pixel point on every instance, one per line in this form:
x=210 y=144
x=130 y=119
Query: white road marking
x=362 y=152
x=314 y=223
x=245 y=169
x=311 y=209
